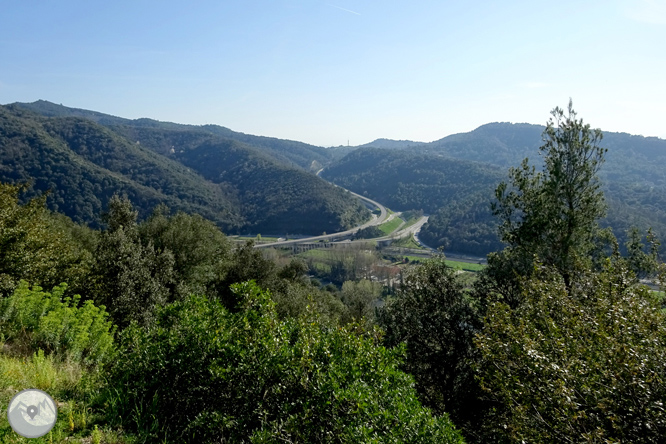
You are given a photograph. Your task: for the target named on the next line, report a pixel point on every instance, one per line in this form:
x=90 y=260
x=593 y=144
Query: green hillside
x=455 y=192
x=450 y=183
x=82 y=164
x=239 y=187
x=285 y=151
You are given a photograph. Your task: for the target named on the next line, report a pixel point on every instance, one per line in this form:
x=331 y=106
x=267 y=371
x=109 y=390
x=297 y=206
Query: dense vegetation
x=82 y=164
x=286 y=151
x=452 y=179
x=169 y=333
x=285 y=359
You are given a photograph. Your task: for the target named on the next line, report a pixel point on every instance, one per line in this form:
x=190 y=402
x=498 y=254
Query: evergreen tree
x=132 y=279
x=551 y=214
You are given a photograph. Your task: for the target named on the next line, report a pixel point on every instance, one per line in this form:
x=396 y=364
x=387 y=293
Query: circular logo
x=32 y=413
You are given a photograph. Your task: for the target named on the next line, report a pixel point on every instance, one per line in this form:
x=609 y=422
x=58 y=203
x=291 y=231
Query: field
x=466 y=266
x=407 y=242
x=390 y=226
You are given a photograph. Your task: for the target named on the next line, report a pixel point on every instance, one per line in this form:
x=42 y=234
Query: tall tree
x=436 y=320
x=550 y=214
x=132 y=279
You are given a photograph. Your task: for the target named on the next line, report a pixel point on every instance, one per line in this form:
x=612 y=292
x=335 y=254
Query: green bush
x=204 y=374
x=61 y=325
x=585 y=365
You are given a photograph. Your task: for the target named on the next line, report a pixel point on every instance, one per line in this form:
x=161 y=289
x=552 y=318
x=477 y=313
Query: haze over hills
x=262 y=184
x=240 y=187
x=459 y=195
x=287 y=151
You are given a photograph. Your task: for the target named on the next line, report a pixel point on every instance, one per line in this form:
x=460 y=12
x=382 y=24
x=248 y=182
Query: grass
x=411 y=222
x=465 y=265
x=407 y=242
x=390 y=226
x=70 y=385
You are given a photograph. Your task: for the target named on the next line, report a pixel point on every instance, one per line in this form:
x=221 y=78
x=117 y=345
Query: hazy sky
x=325 y=72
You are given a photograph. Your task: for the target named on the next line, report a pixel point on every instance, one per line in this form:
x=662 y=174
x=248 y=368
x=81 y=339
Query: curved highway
x=374 y=221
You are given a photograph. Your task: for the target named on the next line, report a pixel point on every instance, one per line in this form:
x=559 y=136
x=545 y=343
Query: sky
x=342 y=71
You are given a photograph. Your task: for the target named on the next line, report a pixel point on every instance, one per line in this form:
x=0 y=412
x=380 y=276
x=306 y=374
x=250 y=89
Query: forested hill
x=455 y=192
x=630 y=159
x=290 y=152
x=242 y=189
x=453 y=179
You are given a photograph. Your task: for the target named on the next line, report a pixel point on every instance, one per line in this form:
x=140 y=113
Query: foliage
x=131 y=278
x=34 y=246
x=201 y=252
x=249 y=377
x=370 y=232
x=57 y=324
x=554 y=214
x=551 y=216
x=642 y=263
x=361 y=299
x=437 y=321
x=577 y=365
x=237 y=186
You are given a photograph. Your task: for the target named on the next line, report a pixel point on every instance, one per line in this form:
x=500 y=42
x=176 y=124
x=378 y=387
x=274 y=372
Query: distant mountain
x=391 y=144
x=629 y=159
x=503 y=144
x=458 y=195
x=240 y=187
x=288 y=152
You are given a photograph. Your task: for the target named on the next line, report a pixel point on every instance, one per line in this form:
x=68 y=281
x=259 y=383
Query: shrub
x=56 y=324
x=585 y=365
x=205 y=374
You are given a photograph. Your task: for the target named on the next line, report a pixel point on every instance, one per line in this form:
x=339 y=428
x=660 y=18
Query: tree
x=131 y=279
x=361 y=298
x=202 y=253
x=436 y=320
x=581 y=364
x=34 y=246
x=552 y=214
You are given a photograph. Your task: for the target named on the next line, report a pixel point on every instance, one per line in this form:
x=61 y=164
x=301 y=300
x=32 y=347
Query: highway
x=376 y=220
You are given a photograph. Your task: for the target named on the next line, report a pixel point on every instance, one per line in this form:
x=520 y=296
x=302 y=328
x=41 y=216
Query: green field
x=390 y=226
x=407 y=242
x=411 y=222
x=466 y=266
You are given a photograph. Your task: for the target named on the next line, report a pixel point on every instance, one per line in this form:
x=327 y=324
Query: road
x=412 y=229
x=374 y=221
x=383 y=216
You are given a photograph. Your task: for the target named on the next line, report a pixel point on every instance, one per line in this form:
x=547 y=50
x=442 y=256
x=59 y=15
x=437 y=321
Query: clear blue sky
x=325 y=72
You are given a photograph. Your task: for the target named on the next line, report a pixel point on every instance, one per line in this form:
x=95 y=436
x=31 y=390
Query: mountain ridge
x=83 y=163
